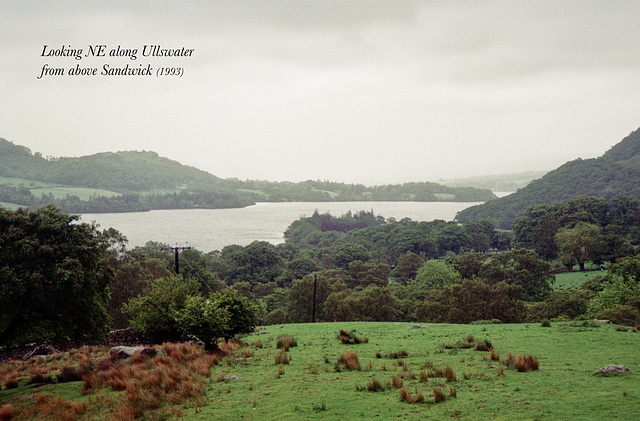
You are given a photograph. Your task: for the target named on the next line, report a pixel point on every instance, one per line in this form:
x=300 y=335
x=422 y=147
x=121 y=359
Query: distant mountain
x=137 y=181
x=616 y=173
x=496 y=182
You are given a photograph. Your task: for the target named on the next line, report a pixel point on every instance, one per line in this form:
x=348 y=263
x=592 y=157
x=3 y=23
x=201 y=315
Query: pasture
x=396 y=371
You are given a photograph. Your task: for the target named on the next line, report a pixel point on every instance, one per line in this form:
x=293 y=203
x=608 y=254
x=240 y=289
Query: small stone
x=613 y=368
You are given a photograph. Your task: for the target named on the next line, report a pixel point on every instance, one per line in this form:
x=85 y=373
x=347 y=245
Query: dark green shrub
x=620 y=315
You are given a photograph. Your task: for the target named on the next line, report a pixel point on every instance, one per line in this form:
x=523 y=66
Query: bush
x=620 y=315
x=483 y=345
x=173 y=308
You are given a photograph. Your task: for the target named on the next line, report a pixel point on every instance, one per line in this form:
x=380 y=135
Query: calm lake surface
x=213 y=229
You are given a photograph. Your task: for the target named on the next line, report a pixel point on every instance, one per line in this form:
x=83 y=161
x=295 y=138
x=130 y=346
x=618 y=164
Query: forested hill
x=116 y=171
x=616 y=173
x=136 y=181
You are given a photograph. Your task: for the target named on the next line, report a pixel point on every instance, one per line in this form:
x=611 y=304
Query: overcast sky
x=374 y=92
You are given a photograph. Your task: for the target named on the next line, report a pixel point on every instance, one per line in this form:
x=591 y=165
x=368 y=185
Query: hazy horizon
x=357 y=91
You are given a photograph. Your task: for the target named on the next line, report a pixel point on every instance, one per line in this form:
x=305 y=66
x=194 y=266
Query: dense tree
x=350 y=252
x=300 y=299
x=433 y=275
x=578 y=245
x=407 y=268
x=471 y=300
x=373 y=303
x=54 y=278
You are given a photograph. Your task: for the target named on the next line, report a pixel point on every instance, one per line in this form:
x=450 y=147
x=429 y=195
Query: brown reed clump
x=375 y=386
x=396 y=382
x=350 y=360
x=450 y=375
x=228 y=347
x=7 y=412
x=398 y=354
x=438 y=395
x=522 y=363
x=282 y=357
x=44 y=406
x=285 y=342
x=405 y=396
x=350 y=338
x=493 y=356
x=483 y=345
x=175 y=378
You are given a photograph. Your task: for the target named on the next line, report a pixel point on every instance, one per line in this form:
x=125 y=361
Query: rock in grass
x=605 y=321
x=40 y=350
x=613 y=368
x=417 y=326
x=128 y=351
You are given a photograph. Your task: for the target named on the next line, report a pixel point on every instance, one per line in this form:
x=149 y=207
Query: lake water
x=213 y=229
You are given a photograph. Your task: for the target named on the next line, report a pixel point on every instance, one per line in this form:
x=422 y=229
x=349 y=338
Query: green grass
x=59 y=191
x=310 y=388
x=10 y=206
x=575 y=279
x=444 y=196
x=563 y=388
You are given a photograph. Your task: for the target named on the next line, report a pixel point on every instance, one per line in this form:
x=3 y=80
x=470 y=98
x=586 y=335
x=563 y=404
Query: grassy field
x=59 y=191
x=575 y=279
x=261 y=382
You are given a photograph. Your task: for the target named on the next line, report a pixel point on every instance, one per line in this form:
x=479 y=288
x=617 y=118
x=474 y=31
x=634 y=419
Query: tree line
x=358 y=266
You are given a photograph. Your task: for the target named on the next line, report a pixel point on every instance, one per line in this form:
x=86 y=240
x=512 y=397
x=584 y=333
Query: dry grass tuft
x=522 y=363
x=398 y=354
x=405 y=396
x=483 y=345
x=438 y=395
x=350 y=360
x=350 y=338
x=229 y=347
x=450 y=375
x=7 y=412
x=375 y=386
x=282 y=357
x=396 y=382
x=285 y=342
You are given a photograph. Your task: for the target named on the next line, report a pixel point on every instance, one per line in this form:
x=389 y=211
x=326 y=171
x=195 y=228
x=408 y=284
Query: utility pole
x=315 y=283
x=176 y=250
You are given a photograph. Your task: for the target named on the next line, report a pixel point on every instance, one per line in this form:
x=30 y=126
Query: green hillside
x=116 y=171
x=616 y=173
x=139 y=181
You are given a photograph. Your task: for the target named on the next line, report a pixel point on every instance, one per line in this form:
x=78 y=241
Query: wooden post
x=315 y=283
